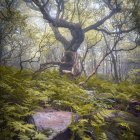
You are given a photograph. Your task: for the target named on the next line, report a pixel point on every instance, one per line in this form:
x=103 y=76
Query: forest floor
x=105 y=110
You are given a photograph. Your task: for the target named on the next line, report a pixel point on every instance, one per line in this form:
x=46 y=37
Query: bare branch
x=100 y=22
x=118 y=32
x=94 y=72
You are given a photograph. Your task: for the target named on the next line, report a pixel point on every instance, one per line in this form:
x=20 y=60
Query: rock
x=55 y=121
x=134 y=107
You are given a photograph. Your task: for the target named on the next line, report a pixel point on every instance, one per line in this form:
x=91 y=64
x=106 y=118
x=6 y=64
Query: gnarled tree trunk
x=70 y=63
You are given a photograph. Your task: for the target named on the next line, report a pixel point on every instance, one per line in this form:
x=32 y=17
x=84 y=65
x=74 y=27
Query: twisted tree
x=54 y=12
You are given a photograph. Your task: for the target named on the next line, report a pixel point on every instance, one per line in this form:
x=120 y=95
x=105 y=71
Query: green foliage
x=24 y=92
x=17 y=102
x=125 y=89
x=108 y=100
x=134 y=76
x=103 y=114
x=10 y=18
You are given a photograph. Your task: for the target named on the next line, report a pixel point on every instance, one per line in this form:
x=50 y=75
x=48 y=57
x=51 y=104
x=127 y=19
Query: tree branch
x=100 y=22
x=119 y=32
x=59 y=37
x=94 y=72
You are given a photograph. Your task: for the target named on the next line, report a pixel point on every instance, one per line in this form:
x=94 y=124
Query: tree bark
x=115 y=68
x=70 y=63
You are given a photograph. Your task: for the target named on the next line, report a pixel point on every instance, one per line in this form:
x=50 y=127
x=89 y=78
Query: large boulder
x=55 y=122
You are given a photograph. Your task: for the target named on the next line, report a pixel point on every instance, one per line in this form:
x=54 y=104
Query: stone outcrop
x=56 y=122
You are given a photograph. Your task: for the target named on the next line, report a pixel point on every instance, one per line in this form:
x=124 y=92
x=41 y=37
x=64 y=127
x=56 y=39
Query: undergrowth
x=103 y=113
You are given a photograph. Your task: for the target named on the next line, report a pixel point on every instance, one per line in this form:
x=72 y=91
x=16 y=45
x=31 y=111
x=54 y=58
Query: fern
x=98 y=117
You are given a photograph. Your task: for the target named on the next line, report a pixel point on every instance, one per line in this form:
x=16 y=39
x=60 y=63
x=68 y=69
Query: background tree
x=11 y=22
